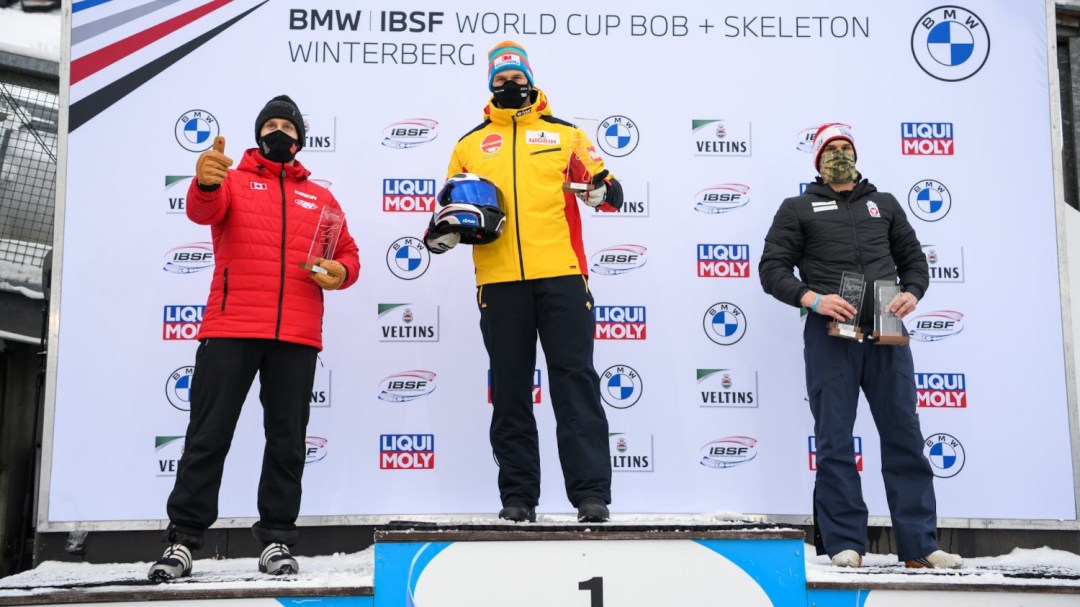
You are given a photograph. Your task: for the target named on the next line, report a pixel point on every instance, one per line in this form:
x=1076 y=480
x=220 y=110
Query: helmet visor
x=478 y=193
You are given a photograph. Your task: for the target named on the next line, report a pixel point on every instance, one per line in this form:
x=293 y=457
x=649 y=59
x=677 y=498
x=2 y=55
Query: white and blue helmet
x=468 y=204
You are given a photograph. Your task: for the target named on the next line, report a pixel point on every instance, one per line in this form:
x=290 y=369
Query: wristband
x=816 y=300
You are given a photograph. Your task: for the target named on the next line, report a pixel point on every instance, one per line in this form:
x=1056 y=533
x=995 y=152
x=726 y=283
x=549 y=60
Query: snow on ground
x=34 y=35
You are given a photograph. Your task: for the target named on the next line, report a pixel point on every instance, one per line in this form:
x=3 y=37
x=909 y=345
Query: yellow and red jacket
x=527 y=153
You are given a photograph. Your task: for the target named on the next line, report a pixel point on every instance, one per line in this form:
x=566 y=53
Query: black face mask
x=278 y=146
x=512 y=94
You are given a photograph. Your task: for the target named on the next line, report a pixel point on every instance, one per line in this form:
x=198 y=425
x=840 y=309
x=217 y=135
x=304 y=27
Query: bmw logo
x=950 y=43
x=617 y=136
x=945 y=453
x=724 y=323
x=195 y=130
x=929 y=200
x=408 y=258
x=178 y=388
x=620 y=387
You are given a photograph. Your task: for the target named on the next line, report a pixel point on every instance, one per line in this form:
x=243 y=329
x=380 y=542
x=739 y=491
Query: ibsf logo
x=182 y=322
x=950 y=43
x=926 y=138
x=929 y=200
x=178 y=388
x=620 y=387
x=408 y=195
x=736 y=389
x=941 y=390
x=945 y=453
x=617 y=136
x=812 y=450
x=618 y=259
x=176 y=187
x=410 y=133
x=946 y=263
x=406 y=451
x=936 y=325
x=728 y=452
x=406 y=386
x=408 y=258
x=195 y=130
x=724 y=323
x=168 y=450
x=189 y=258
x=320 y=133
x=537 y=393
x=631 y=452
x=620 y=322
x=714 y=137
x=314 y=449
x=722 y=198
x=723 y=261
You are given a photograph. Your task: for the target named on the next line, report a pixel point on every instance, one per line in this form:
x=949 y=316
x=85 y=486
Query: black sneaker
x=174 y=563
x=518 y=514
x=592 y=510
x=277 y=560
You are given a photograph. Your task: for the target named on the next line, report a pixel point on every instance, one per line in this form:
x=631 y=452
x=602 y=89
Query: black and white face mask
x=511 y=94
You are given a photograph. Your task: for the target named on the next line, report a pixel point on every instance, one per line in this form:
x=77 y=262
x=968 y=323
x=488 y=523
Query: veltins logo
x=929 y=200
x=314 y=449
x=406 y=451
x=408 y=322
x=722 y=198
x=408 y=195
x=408 y=258
x=168 y=450
x=936 y=325
x=406 y=386
x=195 y=130
x=812 y=450
x=620 y=322
x=178 y=388
x=189 y=258
x=926 y=138
x=728 y=388
x=635 y=201
x=945 y=453
x=182 y=322
x=631 y=452
x=410 y=133
x=617 y=135
x=713 y=137
x=619 y=259
x=950 y=43
x=946 y=262
x=320 y=133
x=620 y=386
x=176 y=187
x=537 y=393
x=941 y=390
x=723 y=261
x=728 y=452
x=724 y=323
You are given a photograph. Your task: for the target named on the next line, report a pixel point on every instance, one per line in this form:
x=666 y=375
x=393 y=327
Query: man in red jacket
x=264 y=316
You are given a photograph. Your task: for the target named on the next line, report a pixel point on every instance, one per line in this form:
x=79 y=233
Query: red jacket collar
x=254 y=162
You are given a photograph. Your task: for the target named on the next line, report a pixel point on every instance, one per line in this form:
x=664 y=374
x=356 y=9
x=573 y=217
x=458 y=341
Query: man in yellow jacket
x=533 y=280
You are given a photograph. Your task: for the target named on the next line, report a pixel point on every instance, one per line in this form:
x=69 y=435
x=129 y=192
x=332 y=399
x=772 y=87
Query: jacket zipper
x=517 y=224
x=225 y=290
x=281 y=286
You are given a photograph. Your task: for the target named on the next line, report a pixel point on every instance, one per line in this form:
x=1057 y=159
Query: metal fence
x=29 y=115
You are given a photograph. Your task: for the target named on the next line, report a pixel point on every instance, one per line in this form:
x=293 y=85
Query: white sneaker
x=938 y=559
x=277 y=560
x=847 y=558
x=175 y=563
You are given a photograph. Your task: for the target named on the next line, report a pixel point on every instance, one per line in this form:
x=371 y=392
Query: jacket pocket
x=224 y=288
x=547 y=151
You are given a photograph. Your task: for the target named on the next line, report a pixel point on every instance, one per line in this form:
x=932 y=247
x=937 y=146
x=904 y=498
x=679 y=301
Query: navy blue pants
x=559 y=310
x=836 y=368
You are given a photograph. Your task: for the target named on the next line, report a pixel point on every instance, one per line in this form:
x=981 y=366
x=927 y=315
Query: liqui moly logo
x=620 y=322
x=182 y=322
x=723 y=260
x=408 y=195
x=926 y=138
x=941 y=390
x=407 y=451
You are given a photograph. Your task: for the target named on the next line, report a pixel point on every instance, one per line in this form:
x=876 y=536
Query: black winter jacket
x=826 y=233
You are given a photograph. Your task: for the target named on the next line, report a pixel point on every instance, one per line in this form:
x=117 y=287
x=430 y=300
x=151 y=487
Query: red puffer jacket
x=262 y=220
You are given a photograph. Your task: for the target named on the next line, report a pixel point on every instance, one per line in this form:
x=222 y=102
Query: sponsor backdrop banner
x=705 y=113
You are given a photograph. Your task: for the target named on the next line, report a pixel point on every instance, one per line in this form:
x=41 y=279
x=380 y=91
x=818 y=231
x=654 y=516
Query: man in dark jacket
x=842 y=223
x=263 y=316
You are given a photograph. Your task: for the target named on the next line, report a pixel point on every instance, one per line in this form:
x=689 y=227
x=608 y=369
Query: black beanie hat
x=281 y=107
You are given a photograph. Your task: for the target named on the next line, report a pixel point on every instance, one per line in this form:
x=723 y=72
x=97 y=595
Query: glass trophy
x=888 y=330
x=325 y=240
x=577 y=179
x=852 y=287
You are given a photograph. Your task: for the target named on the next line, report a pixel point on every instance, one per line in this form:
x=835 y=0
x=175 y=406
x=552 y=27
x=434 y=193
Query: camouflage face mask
x=838 y=166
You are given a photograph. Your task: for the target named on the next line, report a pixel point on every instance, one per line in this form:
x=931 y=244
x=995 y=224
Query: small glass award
x=852 y=287
x=577 y=179
x=325 y=240
x=888 y=330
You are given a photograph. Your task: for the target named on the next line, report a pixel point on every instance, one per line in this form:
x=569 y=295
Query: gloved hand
x=213 y=165
x=439 y=243
x=332 y=278
x=595 y=197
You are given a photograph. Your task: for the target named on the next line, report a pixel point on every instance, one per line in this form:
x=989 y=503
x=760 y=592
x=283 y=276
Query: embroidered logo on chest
x=311 y=206
x=871 y=206
x=258 y=185
x=541 y=138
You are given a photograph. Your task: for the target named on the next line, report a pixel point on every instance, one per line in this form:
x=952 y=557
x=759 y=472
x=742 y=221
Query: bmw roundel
x=617 y=135
x=408 y=258
x=724 y=323
x=946 y=454
x=929 y=200
x=195 y=130
x=950 y=43
x=620 y=386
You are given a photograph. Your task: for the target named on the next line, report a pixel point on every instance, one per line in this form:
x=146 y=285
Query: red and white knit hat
x=831 y=132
